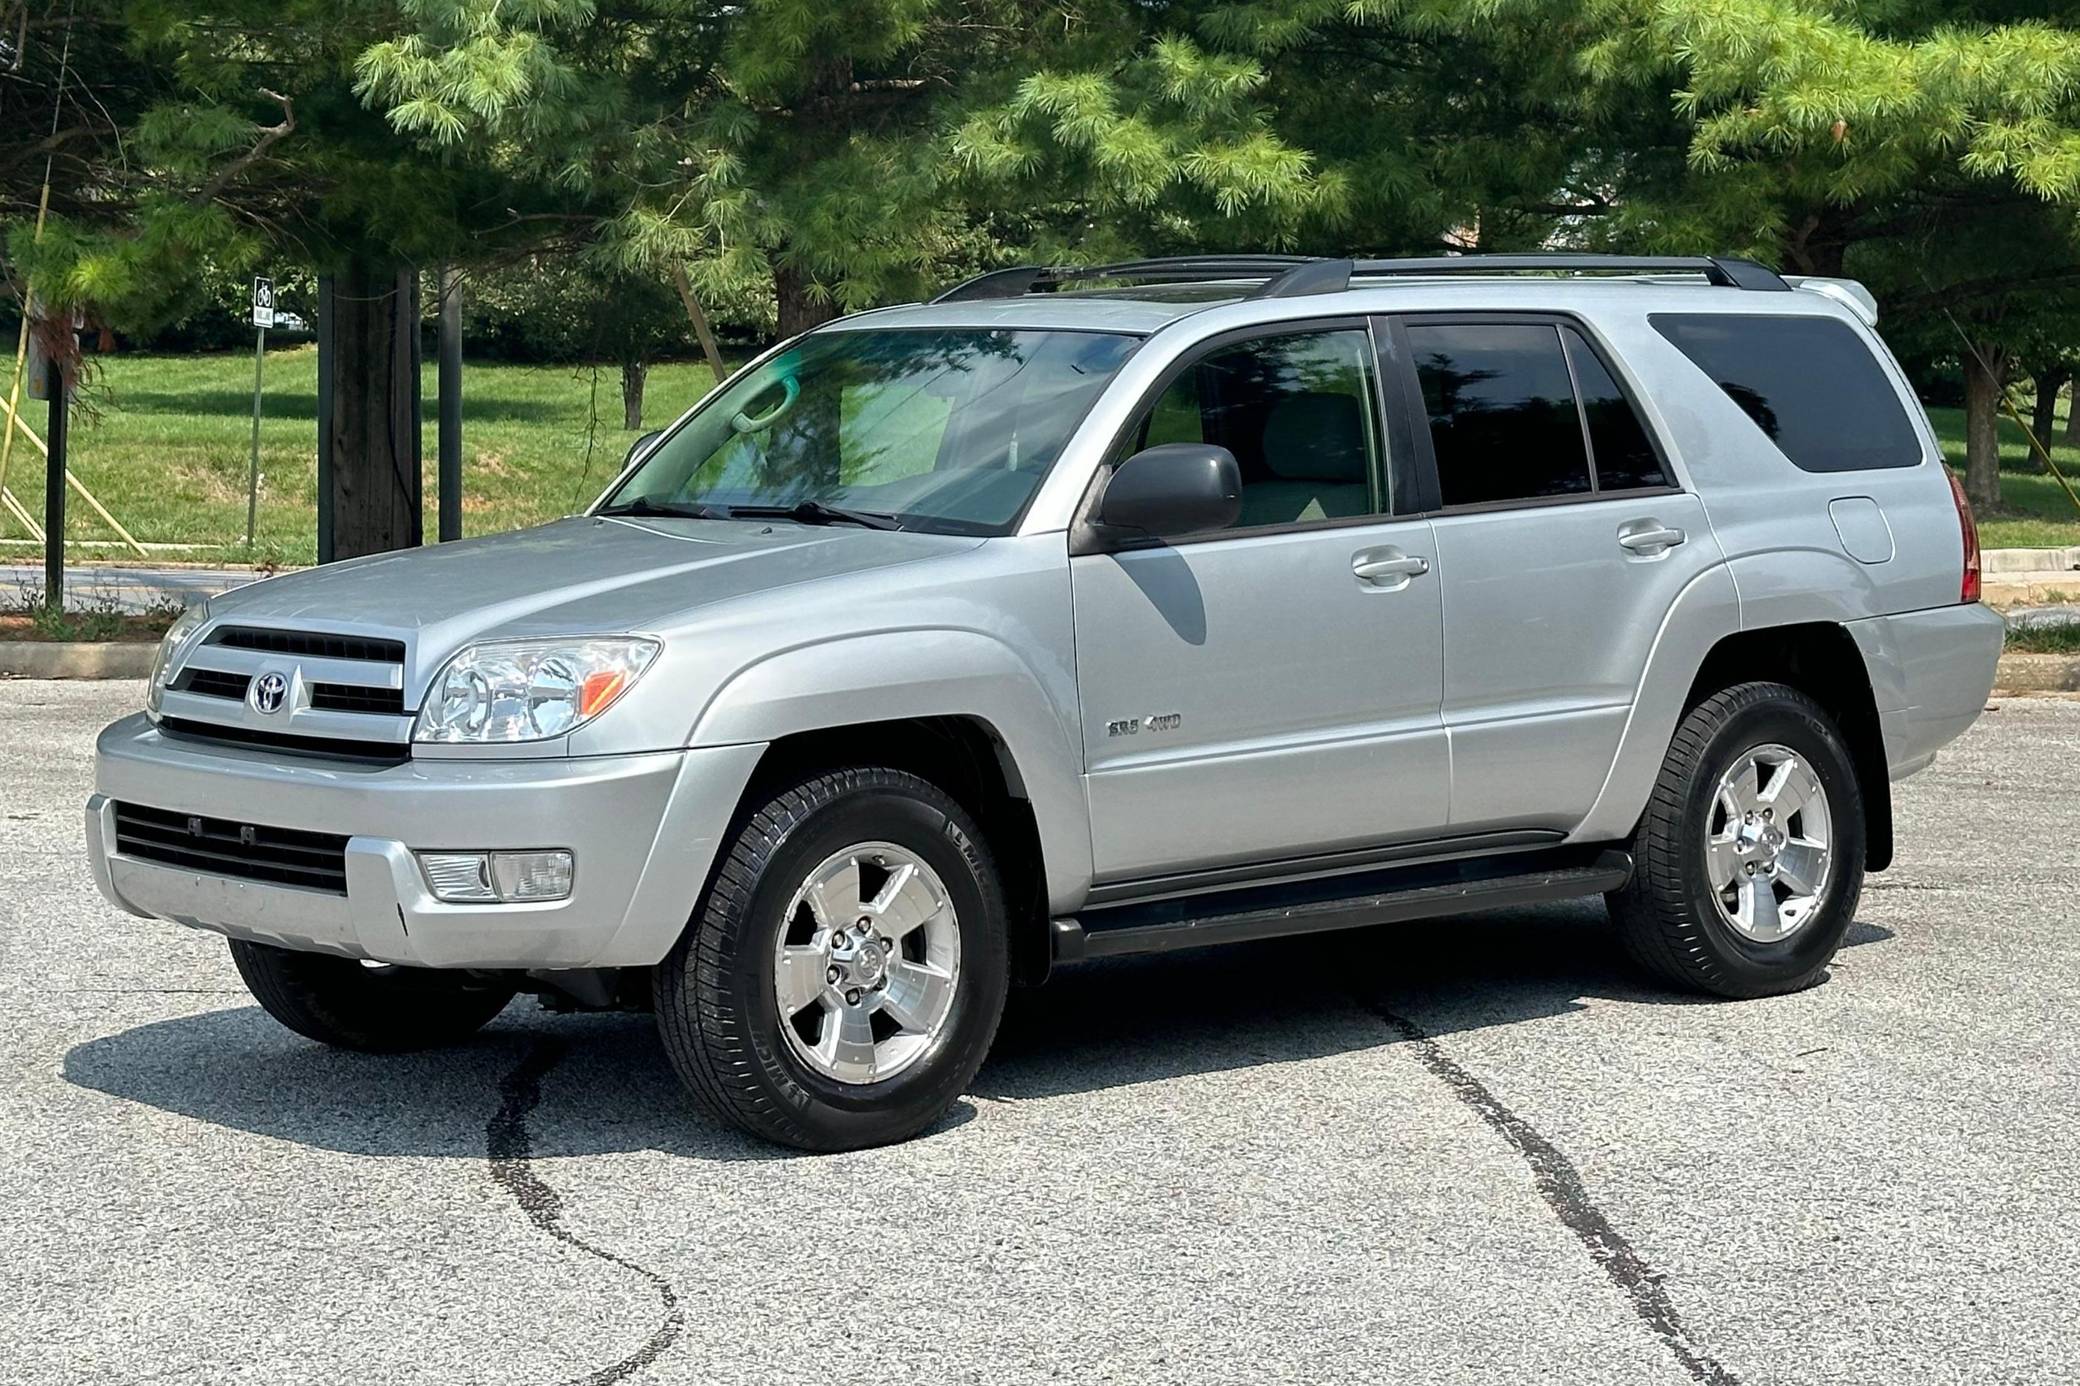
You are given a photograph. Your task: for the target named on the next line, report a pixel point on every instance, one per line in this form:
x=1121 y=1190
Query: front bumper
x=644 y=830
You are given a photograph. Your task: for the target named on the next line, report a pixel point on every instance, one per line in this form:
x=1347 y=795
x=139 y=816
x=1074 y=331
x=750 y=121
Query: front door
x=1269 y=692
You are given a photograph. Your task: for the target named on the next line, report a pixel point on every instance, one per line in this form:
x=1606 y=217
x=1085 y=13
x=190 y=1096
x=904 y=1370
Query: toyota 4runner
x=1088 y=612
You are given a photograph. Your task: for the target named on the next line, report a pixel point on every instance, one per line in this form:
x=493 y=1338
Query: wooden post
x=372 y=433
x=54 y=491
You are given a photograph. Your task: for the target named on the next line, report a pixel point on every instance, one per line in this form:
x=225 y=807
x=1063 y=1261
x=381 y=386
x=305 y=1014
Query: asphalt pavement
x=1472 y=1150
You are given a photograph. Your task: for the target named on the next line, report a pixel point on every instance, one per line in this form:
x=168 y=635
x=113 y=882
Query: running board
x=1339 y=902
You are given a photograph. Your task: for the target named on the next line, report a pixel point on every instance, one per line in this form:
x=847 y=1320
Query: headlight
x=172 y=646
x=529 y=690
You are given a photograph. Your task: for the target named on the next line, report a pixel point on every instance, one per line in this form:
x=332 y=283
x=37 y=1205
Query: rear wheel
x=844 y=976
x=1748 y=864
x=379 y=1008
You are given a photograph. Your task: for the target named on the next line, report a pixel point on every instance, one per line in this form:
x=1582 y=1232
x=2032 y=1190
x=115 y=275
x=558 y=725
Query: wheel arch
x=968 y=757
x=1822 y=660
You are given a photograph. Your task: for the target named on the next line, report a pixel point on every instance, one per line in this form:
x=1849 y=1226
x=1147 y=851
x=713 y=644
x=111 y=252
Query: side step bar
x=1341 y=902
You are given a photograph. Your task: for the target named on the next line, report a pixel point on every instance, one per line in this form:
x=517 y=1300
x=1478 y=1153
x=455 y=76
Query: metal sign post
x=263 y=318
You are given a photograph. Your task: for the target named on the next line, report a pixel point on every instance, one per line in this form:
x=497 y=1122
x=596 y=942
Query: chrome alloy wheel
x=867 y=964
x=1769 y=844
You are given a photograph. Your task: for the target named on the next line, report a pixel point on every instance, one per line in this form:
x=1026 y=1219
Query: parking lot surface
x=1467 y=1150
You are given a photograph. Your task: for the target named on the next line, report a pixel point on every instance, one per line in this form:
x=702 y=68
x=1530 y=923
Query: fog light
x=458 y=877
x=474 y=878
x=531 y=875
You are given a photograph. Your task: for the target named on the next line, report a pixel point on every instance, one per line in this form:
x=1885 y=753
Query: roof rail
x=1724 y=271
x=1299 y=276
x=1024 y=279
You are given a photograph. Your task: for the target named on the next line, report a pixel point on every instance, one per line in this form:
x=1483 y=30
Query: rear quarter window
x=1809 y=383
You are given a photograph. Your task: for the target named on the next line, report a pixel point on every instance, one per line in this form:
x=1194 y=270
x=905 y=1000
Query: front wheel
x=844 y=976
x=1748 y=864
x=378 y=1008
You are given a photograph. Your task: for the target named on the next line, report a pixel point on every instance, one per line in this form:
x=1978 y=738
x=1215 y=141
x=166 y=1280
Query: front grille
x=299 y=642
x=218 y=847
x=214 y=683
x=336 y=748
x=349 y=697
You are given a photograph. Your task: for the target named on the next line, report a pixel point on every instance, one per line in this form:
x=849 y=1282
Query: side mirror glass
x=1173 y=488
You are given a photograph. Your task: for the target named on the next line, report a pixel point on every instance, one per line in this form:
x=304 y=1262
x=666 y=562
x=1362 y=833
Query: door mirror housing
x=641 y=446
x=1173 y=488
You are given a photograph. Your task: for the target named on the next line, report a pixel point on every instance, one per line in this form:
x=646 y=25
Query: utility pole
x=450 y=444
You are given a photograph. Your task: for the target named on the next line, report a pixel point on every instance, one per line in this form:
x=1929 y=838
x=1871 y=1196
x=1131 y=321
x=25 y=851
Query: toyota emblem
x=269 y=691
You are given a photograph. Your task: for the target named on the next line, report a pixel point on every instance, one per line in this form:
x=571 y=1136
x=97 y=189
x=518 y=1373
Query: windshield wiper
x=681 y=510
x=815 y=512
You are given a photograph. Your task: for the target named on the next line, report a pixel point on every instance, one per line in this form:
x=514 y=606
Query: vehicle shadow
x=605 y=1086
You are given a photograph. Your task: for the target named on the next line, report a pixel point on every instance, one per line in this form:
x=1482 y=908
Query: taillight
x=1969 y=591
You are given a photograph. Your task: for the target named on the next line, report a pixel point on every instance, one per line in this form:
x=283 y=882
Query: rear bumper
x=1931 y=672
x=644 y=830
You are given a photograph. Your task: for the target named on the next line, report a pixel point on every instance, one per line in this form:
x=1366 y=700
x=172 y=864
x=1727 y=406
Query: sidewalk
x=132 y=590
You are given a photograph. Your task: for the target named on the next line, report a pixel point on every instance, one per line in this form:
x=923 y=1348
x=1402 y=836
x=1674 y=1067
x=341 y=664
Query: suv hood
x=576 y=576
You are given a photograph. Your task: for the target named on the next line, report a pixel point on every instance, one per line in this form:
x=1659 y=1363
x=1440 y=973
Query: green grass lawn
x=2035 y=512
x=166 y=440
x=164 y=445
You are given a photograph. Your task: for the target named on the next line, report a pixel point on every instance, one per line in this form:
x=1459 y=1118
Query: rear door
x=1268 y=693
x=1562 y=544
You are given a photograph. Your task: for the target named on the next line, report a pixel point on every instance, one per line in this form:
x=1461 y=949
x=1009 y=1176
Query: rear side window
x=1502 y=413
x=1625 y=459
x=1809 y=383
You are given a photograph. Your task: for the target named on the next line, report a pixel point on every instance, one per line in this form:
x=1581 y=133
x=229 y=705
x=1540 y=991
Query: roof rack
x=1299 y=276
x=1024 y=279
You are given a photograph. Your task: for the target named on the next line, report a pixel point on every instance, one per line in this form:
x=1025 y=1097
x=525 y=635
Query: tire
x=718 y=994
x=379 y=1010
x=1669 y=915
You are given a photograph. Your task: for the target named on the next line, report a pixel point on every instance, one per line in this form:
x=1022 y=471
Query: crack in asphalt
x=510 y=1151
x=1561 y=1187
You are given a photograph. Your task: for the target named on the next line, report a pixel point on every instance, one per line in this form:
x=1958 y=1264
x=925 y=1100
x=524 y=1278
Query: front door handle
x=1389 y=568
x=1649 y=536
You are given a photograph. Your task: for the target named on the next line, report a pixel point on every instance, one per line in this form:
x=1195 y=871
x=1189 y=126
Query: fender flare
x=898 y=675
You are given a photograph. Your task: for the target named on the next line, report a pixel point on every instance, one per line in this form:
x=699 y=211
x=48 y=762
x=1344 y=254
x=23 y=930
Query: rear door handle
x=1381 y=567
x=1649 y=536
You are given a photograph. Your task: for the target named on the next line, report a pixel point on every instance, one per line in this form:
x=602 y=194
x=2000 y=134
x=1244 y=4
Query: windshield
x=948 y=430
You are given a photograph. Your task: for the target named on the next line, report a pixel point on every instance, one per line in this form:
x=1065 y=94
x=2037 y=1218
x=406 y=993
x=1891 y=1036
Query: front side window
x=1299 y=413
x=949 y=430
x=1810 y=383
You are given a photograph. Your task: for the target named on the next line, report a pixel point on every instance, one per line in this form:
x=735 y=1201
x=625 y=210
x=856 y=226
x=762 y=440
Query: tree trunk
x=374 y=426
x=633 y=374
x=2049 y=383
x=1982 y=403
x=798 y=311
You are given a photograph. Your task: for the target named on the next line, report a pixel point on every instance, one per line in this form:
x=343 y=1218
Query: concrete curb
x=2038 y=673
x=1995 y=561
x=56 y=659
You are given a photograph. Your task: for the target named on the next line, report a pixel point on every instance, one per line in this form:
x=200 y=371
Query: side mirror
x=641 y=446
x=1173 y=488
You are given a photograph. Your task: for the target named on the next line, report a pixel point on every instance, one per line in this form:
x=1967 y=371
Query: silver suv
x=1080 y=613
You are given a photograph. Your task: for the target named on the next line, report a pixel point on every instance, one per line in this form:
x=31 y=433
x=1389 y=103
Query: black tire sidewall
x=1797 y=724
x=851 y=1114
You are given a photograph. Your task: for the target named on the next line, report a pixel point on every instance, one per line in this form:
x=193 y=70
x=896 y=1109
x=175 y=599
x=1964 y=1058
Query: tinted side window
x=1298 y=413
x=1502 y=411
x=1625 y=459
x=1809 y=383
